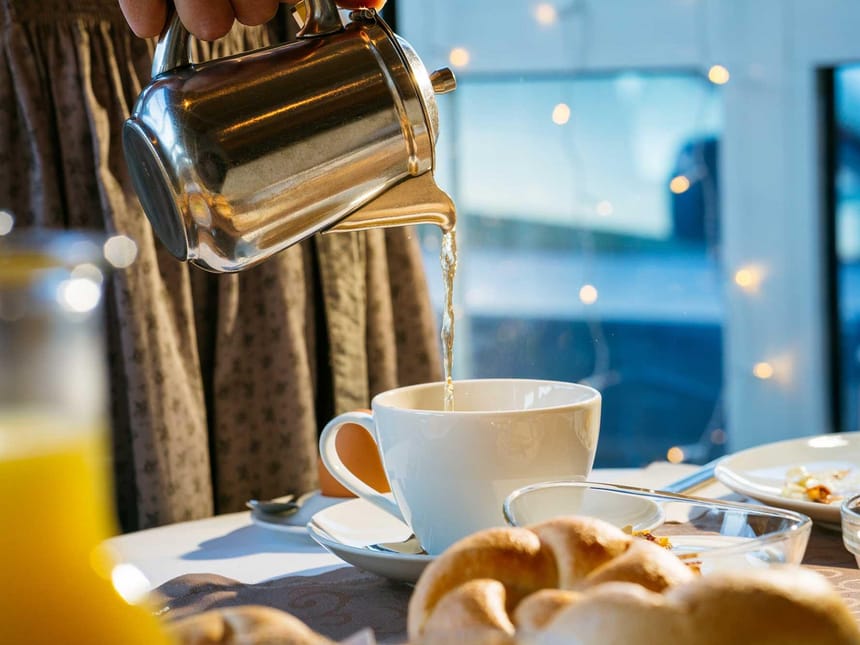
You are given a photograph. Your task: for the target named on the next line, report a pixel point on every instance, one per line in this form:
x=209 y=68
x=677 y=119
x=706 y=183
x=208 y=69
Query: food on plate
x=824 y=486
x=659 y=540
x=583 y=581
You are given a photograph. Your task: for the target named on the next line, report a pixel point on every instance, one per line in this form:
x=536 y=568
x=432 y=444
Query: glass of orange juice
x=57 y=585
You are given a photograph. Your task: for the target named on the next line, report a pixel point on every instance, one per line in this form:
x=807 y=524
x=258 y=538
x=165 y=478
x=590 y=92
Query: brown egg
x=360 y=454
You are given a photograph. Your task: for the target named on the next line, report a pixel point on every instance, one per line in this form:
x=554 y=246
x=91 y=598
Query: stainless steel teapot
x=238 y=158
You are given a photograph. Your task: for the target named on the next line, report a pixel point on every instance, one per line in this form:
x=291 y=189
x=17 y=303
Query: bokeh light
x=675 y=455
x=718 y=75
x=588 y=294
x=7 y=222
x=679 y=184
x=561 y=114
x=546 y=14
x=604 y=208
x=79 y=295
x=88 y=271
x=120 y=251
x=748 y=278
x=459 y=57
x=763 y=370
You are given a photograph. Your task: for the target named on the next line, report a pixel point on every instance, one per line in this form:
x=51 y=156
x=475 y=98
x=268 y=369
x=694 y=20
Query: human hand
x=211 y=19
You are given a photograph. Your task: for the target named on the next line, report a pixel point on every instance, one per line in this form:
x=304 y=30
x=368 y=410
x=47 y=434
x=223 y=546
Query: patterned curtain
x=219 y=384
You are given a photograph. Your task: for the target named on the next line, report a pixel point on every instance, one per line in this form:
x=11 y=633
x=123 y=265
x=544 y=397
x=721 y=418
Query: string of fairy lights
x=121 y=251
x=748 y=278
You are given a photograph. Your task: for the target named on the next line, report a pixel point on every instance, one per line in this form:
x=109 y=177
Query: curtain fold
x=219 y=384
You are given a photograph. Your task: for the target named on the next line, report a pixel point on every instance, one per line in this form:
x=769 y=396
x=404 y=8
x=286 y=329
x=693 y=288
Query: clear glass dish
x=712 y=534
x=850 y=512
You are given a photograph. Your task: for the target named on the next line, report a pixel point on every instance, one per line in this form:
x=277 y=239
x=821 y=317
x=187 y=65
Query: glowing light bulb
x=763 y=371
x=459 y=57
x=679 y=184
x=588 y=294
x=675 y=455
x=545 y=13
x=120 y=251
x=561 y=114
x=718 y=75
x=604 y=208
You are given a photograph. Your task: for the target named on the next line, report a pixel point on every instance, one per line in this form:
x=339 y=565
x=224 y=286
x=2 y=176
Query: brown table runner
x=827 y=555
x=336 y=604
x=342 y=602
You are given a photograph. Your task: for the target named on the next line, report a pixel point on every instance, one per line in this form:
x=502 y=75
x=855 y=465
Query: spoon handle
x=697 y=479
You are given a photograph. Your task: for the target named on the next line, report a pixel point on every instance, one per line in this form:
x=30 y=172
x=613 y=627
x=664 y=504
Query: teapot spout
x=417 y=200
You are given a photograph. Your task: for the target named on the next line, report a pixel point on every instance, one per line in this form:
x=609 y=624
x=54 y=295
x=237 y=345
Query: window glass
x=588 y=224
x=847 y=231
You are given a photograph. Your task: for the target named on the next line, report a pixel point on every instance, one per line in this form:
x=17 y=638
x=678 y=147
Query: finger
x=254 y=12
x=350 y=4
x=206 y=19
x=360 y=4
x=145 y=17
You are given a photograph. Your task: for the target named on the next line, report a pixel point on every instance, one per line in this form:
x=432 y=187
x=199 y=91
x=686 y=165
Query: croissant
x=582 y=581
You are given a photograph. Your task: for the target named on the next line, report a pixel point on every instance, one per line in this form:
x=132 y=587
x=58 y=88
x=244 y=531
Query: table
x=226 y=560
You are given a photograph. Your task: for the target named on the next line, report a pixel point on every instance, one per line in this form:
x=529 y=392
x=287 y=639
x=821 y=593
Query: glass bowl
x=850 y=513
x=711 y=534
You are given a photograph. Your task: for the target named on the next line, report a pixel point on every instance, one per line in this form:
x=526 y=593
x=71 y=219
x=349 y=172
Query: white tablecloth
x=231 y=546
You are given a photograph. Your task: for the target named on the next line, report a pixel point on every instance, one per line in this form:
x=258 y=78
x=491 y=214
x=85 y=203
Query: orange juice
x=55 y=582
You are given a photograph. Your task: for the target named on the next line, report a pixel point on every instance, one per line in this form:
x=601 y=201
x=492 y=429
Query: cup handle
x=335 y=465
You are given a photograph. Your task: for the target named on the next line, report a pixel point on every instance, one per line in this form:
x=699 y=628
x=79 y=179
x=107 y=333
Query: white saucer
x=346 y=529
x=296 y=523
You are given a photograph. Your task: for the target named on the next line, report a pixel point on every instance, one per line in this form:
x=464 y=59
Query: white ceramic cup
x=451 y=471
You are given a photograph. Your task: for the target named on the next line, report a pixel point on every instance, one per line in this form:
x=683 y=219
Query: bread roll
x=615 y=613
x=771 y=606
x=783 y=604
x=244 y=625
x=537 y=610
x=580 y=581
x=565 y=553
x=473 y=605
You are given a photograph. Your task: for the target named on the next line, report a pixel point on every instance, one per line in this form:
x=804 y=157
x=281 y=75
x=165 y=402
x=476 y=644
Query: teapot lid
x=428 y=85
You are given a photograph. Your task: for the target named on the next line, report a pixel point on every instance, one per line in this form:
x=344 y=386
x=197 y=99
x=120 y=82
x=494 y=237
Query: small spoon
x=282 y=506
x=409 y=546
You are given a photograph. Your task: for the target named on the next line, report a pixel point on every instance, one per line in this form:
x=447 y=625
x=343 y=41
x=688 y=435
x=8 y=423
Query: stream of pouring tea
x=448 y=259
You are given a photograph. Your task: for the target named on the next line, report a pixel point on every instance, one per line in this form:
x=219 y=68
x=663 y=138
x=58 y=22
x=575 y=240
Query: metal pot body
x=239 y=158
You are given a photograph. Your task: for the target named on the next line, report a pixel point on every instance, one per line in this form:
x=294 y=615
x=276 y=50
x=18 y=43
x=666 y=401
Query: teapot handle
x=171 y=52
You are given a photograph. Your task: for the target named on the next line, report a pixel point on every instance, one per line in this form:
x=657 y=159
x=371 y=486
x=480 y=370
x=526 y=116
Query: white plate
x=347 y=529
x=760 y=472
x=312 y=503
